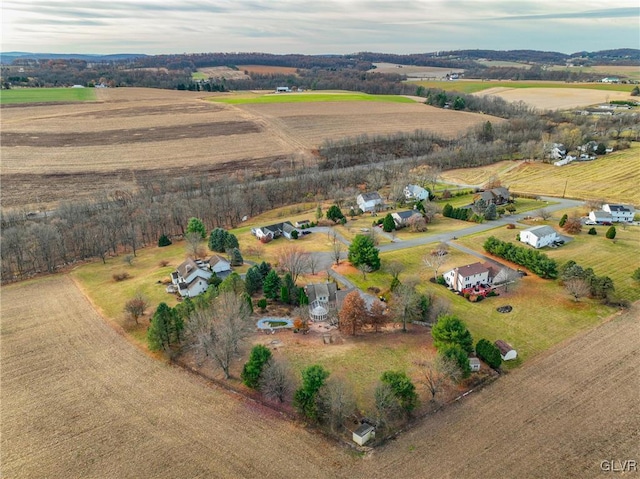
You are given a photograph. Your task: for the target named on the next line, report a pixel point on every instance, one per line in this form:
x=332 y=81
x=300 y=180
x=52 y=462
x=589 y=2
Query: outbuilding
x=363 y=434
x=507 y=353
x=474 y=364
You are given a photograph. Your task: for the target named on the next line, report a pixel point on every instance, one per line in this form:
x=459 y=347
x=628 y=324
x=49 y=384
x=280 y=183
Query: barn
x=507 y=353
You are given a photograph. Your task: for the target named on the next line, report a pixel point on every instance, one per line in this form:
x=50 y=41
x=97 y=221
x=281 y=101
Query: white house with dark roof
x=620 y=213
x=468 y=276
x=600 y=217
x=539 y=236
x=220 y=266
x=415 y=192
x=401 y=218
x=191 y=278
x=368 y=202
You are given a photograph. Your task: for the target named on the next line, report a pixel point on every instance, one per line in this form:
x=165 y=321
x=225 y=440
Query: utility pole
x=565 y=187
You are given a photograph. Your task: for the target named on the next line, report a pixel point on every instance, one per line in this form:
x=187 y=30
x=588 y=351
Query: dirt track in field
x=79 y=401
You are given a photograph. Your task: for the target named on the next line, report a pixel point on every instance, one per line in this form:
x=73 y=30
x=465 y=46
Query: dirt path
x=80 y=401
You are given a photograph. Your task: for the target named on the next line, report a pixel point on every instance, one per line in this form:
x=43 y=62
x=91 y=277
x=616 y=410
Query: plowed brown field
x=132 y=135
x=77 y=400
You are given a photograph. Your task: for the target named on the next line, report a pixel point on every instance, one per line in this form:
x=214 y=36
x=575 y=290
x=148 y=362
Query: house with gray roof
x=369 y=202
x=401 y=218
x=191 y=278
x=275 y=230
x=600 y=217
x=620 y=213
x=415 y=192
x=539 y=236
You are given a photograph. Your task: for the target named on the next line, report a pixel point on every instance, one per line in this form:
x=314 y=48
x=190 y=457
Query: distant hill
x=8 y=57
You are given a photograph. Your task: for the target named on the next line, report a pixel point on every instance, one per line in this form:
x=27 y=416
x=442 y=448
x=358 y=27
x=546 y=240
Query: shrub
x=163 y=263
x=636 y=274
x=164 y=241
x=121 y=276
x=592 y=231
x=403 y=389
x=489 y=353
x=262 y=304
x=294 y=234
x=563 y=220
x=440 y=280
x=611 y=233
x=511 y=226
x=455 y=352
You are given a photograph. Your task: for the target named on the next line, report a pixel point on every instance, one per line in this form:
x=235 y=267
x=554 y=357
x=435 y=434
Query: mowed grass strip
x=474 y=86
x=310 y=97
x=44 y=95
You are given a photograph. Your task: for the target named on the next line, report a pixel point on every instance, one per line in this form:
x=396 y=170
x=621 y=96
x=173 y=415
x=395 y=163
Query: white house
x=507 y=353
x=368 y=202
x=558 y=151
x=620 y=213
x=401 y=218
x=415 y=192
x=600 y=217
x=539 y=236
x=283 y=89
x=220 y=266
x=191 y=278
x=468 y=276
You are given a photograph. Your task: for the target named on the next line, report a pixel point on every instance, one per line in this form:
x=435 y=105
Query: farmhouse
x=620 y=213
x=497 y=196
x=507 y=353
x=415 y=192
x=191 y=278
x=276 y=230
x=369 y=202
x=558 y=151
x=469 y=276
x=539 y=236
x=600 y=217
x=401 y=218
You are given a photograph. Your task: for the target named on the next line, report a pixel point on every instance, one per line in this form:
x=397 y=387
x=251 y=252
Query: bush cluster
x=535 y=261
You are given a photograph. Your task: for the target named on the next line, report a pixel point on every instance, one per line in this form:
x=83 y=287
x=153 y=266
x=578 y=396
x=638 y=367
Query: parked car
x=590 y=223
x=306 y=232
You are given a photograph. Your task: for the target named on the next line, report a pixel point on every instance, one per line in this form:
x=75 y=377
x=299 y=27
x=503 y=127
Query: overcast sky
x=287 y=26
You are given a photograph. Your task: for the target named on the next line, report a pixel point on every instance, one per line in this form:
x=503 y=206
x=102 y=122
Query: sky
x=318 y=27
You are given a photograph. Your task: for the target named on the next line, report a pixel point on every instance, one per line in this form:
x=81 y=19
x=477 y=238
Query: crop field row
x=309 y=97
x=43 y=95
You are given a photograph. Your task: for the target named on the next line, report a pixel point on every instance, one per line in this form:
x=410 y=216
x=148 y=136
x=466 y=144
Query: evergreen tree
x=363 y=251
x=489 y=353
x=335 y=214
x=563 y=220
x=304 y=400
x=164 y=241
x=403 y=389
x=447 y=210
x=236 y=257
x=165 y=328
x=388 y=225
x=253 y=280
x=232 y=283
x=196 y=225
x=451 y=330
x=230 y=241
x=253 y=367
x=319 y=213
x=459 y=355
x=264 y=269
x=271 y=285
x=217 y=239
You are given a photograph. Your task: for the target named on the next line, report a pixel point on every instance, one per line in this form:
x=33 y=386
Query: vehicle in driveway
x=590 y=223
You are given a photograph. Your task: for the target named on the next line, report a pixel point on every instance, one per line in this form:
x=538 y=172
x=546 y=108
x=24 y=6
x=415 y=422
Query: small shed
x=507 y=353
x=363 y=434
x=474 y=364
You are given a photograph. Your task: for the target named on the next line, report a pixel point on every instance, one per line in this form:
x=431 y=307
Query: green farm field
x=46 y=95
x=309 y=97
x=474 y=86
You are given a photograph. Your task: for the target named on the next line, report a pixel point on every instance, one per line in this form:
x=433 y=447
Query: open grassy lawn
x=614 y=177
x=616 y=259
x=522 y=204
x=39 y=95
x=543 y=314
x=110 y=296
x=473 y=86
x=306 y=97
x=199 y=76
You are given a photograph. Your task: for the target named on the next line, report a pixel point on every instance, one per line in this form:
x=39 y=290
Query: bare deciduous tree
x=435 y=260
x=364 y=269
x=313 y=263
x=437 y=373
x=217 y=331
x=292 y=259
x=335 y=403
x=336 y=247
x=544 y=213
x=276 y=382
x=193 y=245
x=136 y=306
x=508 y=276
x=577 y=287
